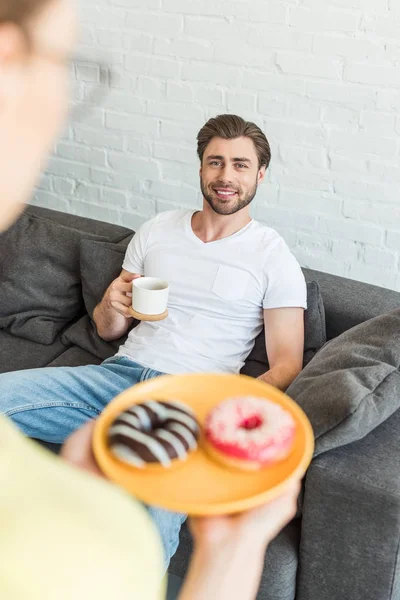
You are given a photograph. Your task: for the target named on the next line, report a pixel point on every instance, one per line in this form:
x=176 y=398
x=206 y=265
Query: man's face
x=230 y=174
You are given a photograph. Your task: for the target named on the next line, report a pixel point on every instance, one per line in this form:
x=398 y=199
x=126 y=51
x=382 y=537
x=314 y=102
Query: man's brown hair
x=230 y=127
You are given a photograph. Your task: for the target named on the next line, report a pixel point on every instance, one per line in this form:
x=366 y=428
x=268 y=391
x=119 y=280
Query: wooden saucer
x=141 y=317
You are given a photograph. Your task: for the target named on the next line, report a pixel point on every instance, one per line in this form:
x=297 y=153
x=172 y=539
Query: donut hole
x=156 y=428
x=253 y=422
x=157 y=425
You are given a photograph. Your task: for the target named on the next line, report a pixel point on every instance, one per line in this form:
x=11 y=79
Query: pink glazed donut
x=249 y=433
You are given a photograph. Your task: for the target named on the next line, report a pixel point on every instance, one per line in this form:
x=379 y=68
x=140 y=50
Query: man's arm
x=111 y=316
x=284 y=338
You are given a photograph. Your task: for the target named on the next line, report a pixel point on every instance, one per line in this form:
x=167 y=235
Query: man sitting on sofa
x=228 y=275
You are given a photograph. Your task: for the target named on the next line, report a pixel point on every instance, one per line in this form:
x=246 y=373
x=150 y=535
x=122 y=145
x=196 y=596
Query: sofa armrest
x=351 y=521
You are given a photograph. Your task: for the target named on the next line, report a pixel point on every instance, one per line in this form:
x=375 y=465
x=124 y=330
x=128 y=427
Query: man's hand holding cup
x=119 y=294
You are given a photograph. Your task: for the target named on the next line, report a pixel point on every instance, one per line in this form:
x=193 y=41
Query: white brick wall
x=321 y=77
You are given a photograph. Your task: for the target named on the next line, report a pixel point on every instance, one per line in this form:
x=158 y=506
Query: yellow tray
x=201 y=486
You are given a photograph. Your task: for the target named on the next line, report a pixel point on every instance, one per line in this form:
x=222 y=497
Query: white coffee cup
x=150 y=295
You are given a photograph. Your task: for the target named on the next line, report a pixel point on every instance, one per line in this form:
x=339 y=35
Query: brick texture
x=321 y=77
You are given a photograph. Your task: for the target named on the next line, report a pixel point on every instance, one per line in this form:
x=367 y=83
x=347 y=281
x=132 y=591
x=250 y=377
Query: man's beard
x=227 y=208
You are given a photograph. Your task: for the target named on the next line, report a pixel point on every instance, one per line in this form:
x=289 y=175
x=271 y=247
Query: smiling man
x=228 y=276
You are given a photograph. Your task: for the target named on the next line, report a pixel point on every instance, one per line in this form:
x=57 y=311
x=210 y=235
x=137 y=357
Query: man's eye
x=215 y=163
x=241 y=165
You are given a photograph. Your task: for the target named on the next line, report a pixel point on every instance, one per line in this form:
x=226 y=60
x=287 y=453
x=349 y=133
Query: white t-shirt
x=217 y=293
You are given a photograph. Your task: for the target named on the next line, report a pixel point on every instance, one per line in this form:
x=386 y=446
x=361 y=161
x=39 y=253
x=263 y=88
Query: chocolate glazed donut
x=154 y=432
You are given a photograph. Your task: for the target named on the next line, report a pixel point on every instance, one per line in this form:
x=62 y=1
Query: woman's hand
x=229 y=551
x=77 y=449
x=256 y=527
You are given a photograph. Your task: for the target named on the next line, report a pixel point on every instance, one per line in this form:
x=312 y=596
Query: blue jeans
x=49 y=404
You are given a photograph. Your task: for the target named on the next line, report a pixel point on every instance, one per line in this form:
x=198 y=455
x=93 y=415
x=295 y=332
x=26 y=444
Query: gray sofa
x=344 y=544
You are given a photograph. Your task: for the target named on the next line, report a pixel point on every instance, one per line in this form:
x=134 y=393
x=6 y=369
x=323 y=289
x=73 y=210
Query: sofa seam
x=321 y=310
x=341 y=476
x=61 y=351
x=394 y=569
x=103 y=237
x=57 y=224
x=118 y=240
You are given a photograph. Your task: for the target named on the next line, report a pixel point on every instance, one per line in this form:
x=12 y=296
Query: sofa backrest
x=348 y=303
x=113 y=233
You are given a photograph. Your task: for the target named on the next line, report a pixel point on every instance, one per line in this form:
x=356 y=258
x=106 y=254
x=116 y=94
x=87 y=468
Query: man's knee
x=19 y=389
x=13 y=384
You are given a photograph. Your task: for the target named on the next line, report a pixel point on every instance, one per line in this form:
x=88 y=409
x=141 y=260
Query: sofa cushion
x=17 y=354
x=314 y=335
x=83 y=334
x=353 y=384
x=74 y=357
x=348 y=303
x=100 y=264
x=40 y=279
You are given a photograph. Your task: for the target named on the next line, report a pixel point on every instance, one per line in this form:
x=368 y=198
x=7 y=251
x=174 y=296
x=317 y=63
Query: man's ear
x=261 y=175
x=12 y=43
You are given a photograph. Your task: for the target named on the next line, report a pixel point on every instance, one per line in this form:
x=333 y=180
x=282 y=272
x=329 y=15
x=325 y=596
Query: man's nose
x=227 y=174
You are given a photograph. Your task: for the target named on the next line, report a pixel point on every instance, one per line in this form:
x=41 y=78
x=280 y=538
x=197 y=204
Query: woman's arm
x=229 y=551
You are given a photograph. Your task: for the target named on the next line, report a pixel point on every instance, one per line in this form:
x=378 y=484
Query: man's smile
x=225 y=193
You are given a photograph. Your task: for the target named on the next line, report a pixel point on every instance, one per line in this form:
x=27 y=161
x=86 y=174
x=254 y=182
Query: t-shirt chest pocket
x=230 y=283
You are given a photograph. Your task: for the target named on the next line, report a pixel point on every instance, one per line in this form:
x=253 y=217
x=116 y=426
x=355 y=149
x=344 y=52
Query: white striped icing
x=129 y=418
x=182 y=406
x=143 y=417
x=127 y=454
x=185 y=433
x=176 y=415
x=152 y=444
x=157 y=408
x=164 y=412
x=176 y=443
